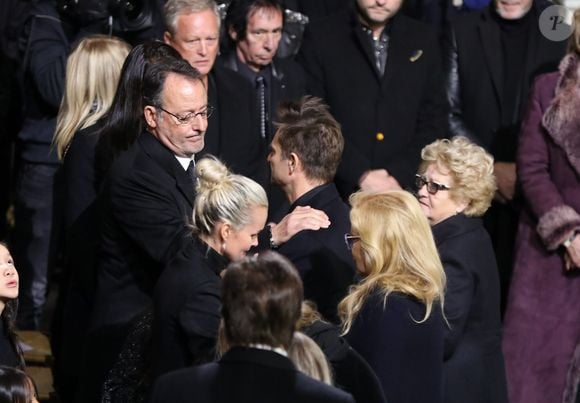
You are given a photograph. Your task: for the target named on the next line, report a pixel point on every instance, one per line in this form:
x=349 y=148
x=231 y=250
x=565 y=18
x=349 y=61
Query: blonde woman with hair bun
x=393 y=317
x=455 y=186
x=229 y=212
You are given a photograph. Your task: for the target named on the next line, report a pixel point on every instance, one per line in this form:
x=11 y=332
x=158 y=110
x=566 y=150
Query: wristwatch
x=273 y=245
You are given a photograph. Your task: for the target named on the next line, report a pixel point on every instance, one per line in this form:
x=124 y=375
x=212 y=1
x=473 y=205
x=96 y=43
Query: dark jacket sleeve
x=47 y=55
x=200 y=318
x=145 y=210
x=458 y=300
x=453 y=86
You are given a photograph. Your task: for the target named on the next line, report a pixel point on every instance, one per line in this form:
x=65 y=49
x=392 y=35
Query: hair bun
x=211 y=174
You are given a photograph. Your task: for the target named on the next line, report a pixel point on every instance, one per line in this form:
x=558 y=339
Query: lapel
x=491 y=42
x=399 y=50
x=168 y=163
x=277 y=90
x=361 y=39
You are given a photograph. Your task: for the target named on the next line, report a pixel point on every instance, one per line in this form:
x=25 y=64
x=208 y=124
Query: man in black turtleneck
x=492 y=57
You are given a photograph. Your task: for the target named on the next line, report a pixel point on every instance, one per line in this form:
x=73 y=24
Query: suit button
x=380 y=136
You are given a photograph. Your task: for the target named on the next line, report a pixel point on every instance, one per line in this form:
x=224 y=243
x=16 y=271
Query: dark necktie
x=190 y=171
x=261 y=87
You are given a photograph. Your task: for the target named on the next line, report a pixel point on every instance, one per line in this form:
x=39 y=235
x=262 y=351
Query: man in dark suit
x=193 y=28
x=146 y=202
x=304 y=156
x=254 y=30
x=261 y=300
x=492 y=56
x=380 y=72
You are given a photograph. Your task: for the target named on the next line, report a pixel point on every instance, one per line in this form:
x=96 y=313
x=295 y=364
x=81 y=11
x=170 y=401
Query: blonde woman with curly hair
x=455 y=187
x=393 y=317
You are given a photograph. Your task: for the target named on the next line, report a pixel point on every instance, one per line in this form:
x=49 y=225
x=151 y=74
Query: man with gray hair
x=193 y=29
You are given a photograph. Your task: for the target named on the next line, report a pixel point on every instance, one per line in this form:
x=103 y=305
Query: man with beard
x=380 y=73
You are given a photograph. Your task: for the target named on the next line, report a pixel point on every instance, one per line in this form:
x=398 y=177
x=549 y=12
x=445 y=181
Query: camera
x=122 y=16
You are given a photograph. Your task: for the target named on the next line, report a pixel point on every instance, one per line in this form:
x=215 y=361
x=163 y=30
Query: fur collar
x=562 y=118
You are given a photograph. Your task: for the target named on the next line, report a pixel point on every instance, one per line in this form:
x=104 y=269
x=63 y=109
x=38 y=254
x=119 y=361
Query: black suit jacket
x=145 y=205
x=322 y=258
x=473 y=55
x=187 y=309
x=385 y=120
x=473 y=364
x=287 y=83
x=232 y=132
x=245 y=375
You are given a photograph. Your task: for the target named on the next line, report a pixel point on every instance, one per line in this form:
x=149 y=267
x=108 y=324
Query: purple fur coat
x=542 y=322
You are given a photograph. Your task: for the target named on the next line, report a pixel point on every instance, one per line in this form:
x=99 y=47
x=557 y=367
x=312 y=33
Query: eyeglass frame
x=350 y=239
x=190 y=117
x=421 y=180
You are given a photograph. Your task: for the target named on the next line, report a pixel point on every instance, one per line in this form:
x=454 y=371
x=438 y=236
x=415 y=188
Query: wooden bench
x=38 y=357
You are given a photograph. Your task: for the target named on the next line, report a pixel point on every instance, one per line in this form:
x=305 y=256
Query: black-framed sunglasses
x=432 y=187
x=190 y=117
x=350 y=239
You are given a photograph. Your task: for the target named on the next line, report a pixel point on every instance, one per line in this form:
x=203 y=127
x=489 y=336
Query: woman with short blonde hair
x=471 y=168
x=455 y=186
x=393 y=317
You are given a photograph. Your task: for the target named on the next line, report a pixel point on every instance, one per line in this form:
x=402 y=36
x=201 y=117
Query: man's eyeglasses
x=432 y=187
x=349 y=240
x=190 y=117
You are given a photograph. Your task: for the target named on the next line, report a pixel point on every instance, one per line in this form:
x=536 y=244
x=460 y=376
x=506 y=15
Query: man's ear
x=150 y=116
x=233 y=34
x=294 y=163
x=167 y=38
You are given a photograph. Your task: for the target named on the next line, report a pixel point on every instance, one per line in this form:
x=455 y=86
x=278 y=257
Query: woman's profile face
x=241 y=240
x=357 y=254
x=9 y=280
x=439 y=206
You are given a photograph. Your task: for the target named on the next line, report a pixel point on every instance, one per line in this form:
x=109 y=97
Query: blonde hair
x=397 y=250
x=223 y=196
x=309 y=358
x=308 y=315
x=471 y=168
x=92 y=73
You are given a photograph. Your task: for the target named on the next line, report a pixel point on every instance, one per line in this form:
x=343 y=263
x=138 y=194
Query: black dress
x=8 y=354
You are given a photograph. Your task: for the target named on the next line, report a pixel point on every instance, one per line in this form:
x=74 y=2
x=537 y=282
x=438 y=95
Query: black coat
x=474 y=366
x=145 y=205
x=351 y=372
x=322 y=258
x=473 y=54
x=406 y=356
x=232 y=133
x=287 y=82
x=385 y=120
x=187 y=309
x=245 y=375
